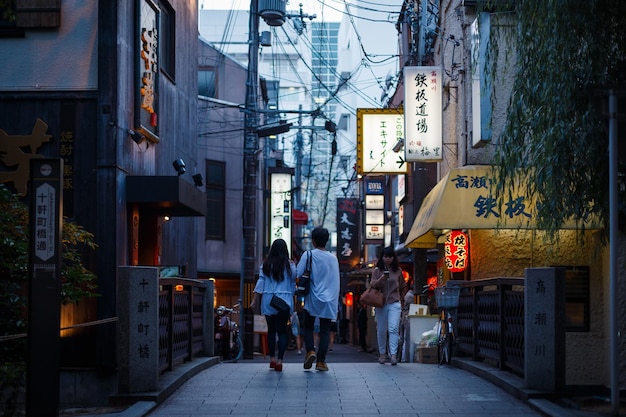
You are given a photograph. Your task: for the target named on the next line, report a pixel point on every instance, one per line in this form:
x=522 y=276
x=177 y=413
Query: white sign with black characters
x=280 y=207
x=423 y=138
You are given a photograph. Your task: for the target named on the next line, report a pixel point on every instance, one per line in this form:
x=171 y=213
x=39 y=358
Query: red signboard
x=456 y=250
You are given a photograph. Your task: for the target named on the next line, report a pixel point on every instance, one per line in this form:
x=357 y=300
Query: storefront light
x=349 y=299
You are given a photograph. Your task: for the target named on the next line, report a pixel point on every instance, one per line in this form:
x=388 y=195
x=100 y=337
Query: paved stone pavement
x=355 y=385
x=347 y=389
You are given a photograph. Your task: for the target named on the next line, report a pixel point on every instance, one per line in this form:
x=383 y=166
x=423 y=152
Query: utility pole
x=273 y=13
x=298 y=154
x=422 y=32
x=251 y=144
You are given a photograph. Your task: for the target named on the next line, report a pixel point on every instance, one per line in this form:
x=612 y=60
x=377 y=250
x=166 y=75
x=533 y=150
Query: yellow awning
x=463 y=200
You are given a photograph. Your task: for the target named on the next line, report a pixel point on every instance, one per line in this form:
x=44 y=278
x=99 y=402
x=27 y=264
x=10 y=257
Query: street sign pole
x=44 y=293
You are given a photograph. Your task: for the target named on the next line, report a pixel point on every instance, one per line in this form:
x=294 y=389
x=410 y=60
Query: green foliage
x=556 y=134
x=76 y=283
x=7 y=10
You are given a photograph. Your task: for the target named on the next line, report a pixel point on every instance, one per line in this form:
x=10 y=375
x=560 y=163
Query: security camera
x=136 y=136
x=398 y=146
x=179 y=166
x=197 y=180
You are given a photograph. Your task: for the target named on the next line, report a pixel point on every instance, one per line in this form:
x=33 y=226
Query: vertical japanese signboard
x=456 y=251
x=378 y=132
x=423 y=139
x=348 y=247
x=44 y=294
x=280 y=206
x=147 y=74
x=67 y=146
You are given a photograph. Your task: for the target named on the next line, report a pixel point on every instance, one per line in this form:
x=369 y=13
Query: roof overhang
x=166 y=195
x=462 y=199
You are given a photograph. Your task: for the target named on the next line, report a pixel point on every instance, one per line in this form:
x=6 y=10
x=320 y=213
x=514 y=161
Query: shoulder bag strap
x=308 y=260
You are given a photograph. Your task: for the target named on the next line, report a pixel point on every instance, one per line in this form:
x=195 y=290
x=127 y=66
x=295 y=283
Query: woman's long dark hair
x=277 y=261
x=389 y=252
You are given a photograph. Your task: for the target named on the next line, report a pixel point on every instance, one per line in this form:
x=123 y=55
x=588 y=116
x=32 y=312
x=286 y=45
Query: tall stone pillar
x=544 y=329
x=138 y=329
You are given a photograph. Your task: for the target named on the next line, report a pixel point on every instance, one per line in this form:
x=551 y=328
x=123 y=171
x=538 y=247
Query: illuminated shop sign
x=374 y=210
x=423 y=139
x=348 y=249
x=147 y=47
x=378 y=131
x=280 y=207
x=456 y=251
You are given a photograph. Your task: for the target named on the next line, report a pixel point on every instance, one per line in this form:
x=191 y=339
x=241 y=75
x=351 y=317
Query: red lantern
x=349 y=298
x=456 y=250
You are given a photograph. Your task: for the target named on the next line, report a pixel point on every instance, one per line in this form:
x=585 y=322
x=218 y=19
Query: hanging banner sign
x=456 y=251
x=423 y=138
x=280 y=207
x=378 y=132
x=147 y=70
x=348 y=248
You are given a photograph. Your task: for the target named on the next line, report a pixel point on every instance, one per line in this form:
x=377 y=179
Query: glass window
x=577 y=298
x=481 y=82
x=206 y=83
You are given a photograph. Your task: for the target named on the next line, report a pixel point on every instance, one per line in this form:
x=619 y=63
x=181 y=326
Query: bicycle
x=447 y=302
x=428 y=294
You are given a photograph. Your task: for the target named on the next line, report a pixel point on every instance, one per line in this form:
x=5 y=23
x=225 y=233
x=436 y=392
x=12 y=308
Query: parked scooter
x=227 y=339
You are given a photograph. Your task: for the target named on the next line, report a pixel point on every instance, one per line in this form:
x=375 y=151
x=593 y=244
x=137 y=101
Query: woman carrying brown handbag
x=387 y=276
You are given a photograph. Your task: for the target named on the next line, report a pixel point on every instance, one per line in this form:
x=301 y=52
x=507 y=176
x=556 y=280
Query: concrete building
x=120 y=106
x=222 y=91
x=473 y=115
x=296 y=70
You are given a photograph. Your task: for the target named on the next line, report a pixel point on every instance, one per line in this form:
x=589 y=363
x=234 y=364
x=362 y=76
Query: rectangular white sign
x=375 y=202
x=374 y=216
x=280 y=210
x=423 y=139
x=378 y=131
x=375 y=232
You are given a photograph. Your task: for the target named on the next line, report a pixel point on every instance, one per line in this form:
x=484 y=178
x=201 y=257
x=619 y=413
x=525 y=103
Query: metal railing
x=490 y=322
x=181 y=321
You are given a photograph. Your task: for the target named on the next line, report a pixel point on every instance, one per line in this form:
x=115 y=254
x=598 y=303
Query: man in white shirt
x=322 y=300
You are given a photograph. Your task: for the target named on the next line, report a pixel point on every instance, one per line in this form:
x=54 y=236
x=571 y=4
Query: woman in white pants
x=387 y=276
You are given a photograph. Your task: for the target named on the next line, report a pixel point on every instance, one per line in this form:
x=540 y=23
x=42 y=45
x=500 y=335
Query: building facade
x=473 y=115
x=115 y=84
x=222 y=82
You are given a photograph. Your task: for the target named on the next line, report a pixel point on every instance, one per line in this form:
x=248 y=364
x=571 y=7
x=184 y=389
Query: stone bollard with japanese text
x=544 y=329
x=138 y=329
